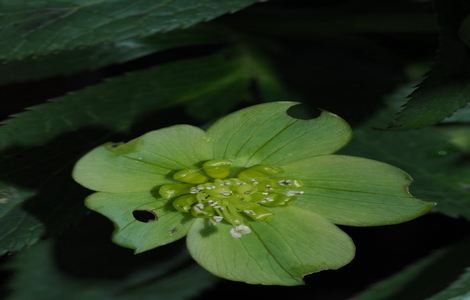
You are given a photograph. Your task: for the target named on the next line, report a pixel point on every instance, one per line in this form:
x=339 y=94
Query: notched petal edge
x=302 y=111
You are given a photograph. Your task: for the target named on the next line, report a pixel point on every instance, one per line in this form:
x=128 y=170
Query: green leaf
x=55 y=279
x=166 y=225
x=464 y=30
x=42 y=27
x=144 y=162
x=447 y=87
x=460 y=116
x=387 y=288
x=279 y=251
x=438 y=166
x=91 y=58
x=458 y=135
x=19 y=229
x=447 y=269
x=267 y=83
x=440 y=175
x=426 y=106
x=459 y=290
x=38 y=147
x=355 y=191
x=267 y=133
x=119 y=102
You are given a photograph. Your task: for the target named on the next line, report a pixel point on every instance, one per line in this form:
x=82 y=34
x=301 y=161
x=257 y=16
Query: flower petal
x=167 y=226
x=266 y=133
x=291 y=244
x=144 y=162
x=355 y=191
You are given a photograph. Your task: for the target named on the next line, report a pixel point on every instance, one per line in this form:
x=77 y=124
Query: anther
x=217 y=219
x=294 y=193
x=240 y=230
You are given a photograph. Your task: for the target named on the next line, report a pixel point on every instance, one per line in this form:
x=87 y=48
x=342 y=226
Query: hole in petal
x=144 y=216
x=303 y=112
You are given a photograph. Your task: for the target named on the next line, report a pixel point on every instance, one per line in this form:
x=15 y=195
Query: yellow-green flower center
x=222 y=194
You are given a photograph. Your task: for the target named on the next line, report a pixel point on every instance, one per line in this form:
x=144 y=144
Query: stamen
x=210 y=193
x=192 y=176
x=217 y=168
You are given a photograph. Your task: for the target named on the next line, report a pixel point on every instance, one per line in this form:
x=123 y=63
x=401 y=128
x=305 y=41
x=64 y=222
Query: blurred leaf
x=42 y=27
x=388 y=288
x=447 y=87
x=440 y=168
x=266 y=86
x=46 y=277
x=459 y=290
x=464 y=31
x=39 y=146
x=446 y=269
x=19 y=229
x=459 y=135
x=116 y=103
x=460 y=116
x=98 y=56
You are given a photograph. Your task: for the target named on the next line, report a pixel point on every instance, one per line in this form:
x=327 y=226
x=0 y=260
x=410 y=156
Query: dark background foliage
x=347 y=57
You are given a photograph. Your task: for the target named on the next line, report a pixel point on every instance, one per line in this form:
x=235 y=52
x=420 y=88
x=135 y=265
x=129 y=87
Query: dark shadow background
x=343 y=72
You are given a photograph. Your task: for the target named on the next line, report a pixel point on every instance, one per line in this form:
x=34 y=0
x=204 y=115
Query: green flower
x=257 y=194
